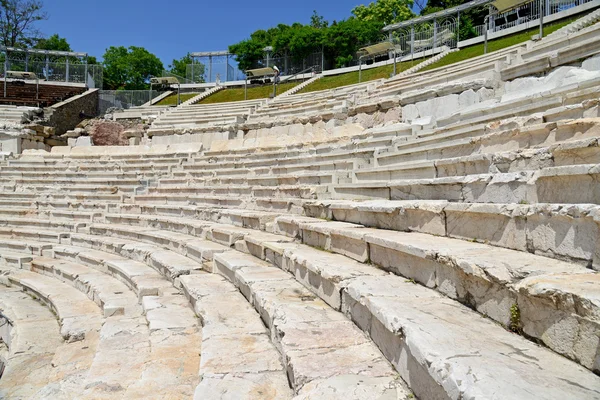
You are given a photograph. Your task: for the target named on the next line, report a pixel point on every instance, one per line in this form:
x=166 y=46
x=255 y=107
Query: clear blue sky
x=202 y=25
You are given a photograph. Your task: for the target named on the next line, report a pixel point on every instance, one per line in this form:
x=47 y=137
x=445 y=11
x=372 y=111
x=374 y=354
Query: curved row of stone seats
x=485 y=66
x=35 y=344
x=238 y=358
x=78 y=316
x=300 y=359
x=167 y=314
x=129 y=350
x=307 y=358
x=553 y=53
x=268 y=240
x=312 y=103
x=205 y=115
x=450 y=271
x=380 y=247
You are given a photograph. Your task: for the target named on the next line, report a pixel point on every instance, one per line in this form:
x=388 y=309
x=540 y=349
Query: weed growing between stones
x=515 y=318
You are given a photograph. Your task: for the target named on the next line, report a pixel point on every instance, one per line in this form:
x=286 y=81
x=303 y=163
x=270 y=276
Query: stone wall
x=66 y=115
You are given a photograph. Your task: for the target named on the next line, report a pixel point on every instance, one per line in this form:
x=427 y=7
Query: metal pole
x=394 y=61
x=47 y=67
x=150 y=93
x=26 y=61
x=178 y=93
x=210 y=68
x=246 y=88
x=542 y=18
x=86 y=70
x=434 y=36
x=37 y=89
x=359 y=69
x=5 y=71
x=67 y=71
x=322 y=58
x=458 y=29
x=412 y=42
x=193 y=76
x=485 y=34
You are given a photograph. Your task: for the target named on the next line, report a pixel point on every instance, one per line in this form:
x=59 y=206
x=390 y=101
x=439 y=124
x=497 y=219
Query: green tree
x=130 y=68
x=180 y=68
x=54 y=42
x=17 y=22
x=385 y=11
x=344 y=38
x=318 y=21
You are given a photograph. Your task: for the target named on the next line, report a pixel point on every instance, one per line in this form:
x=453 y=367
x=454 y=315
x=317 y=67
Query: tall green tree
x=344 y=38
x=180 y=68
x=318 y=21
x=385 y=11
x=17 y=22
x=54 y=42
x=130 y=68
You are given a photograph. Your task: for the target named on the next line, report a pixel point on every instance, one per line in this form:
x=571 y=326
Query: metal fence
x=124 y=99
x=526 y=14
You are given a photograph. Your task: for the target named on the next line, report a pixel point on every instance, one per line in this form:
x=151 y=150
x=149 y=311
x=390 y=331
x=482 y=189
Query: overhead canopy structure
x=219 y=53
x=507 y=5
x=260 y=72
x=376 y=49
x=20 y=75
x=46 y=52
x=439 y=14
x=166 y=80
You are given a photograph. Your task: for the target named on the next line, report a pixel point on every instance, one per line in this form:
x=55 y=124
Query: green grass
x=172 y=99
x=497 y=44
x=351 y=78
x=256 y=92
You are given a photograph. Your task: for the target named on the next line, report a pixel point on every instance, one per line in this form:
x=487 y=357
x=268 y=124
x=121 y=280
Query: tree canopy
x=179 y=68
x=338 y=40
x=130 y=68
x=17 y=22
x=385 y=11
x=54 y=42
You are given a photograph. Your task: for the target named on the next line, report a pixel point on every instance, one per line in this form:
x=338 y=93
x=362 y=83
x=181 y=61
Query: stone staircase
x=583 y=22
x=451 y=258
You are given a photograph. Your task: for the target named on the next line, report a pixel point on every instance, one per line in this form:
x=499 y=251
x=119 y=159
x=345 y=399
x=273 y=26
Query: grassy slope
x=497 y=44
x=258 y=92
x=351 y=78
x=172 y=99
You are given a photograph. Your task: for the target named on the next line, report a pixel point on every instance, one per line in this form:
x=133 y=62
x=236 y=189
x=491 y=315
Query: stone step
x=58 y=196
x=228 y=371
x=32 y=338
x=104 y=256
x=308 y=334
x=548 y=185
x=562 y=231
x=298 y=178
x=60 y=225
x=525 y=159
x=150 y=247
x=509 y=139
x=355 y=242
x=78 y=316
x=491 y=280
x=112 y=296
x=301 y=159
x=337 y=280
x=237 y=193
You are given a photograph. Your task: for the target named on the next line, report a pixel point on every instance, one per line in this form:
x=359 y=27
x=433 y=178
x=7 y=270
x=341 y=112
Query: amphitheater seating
x=26 y=94
x=456 y=258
